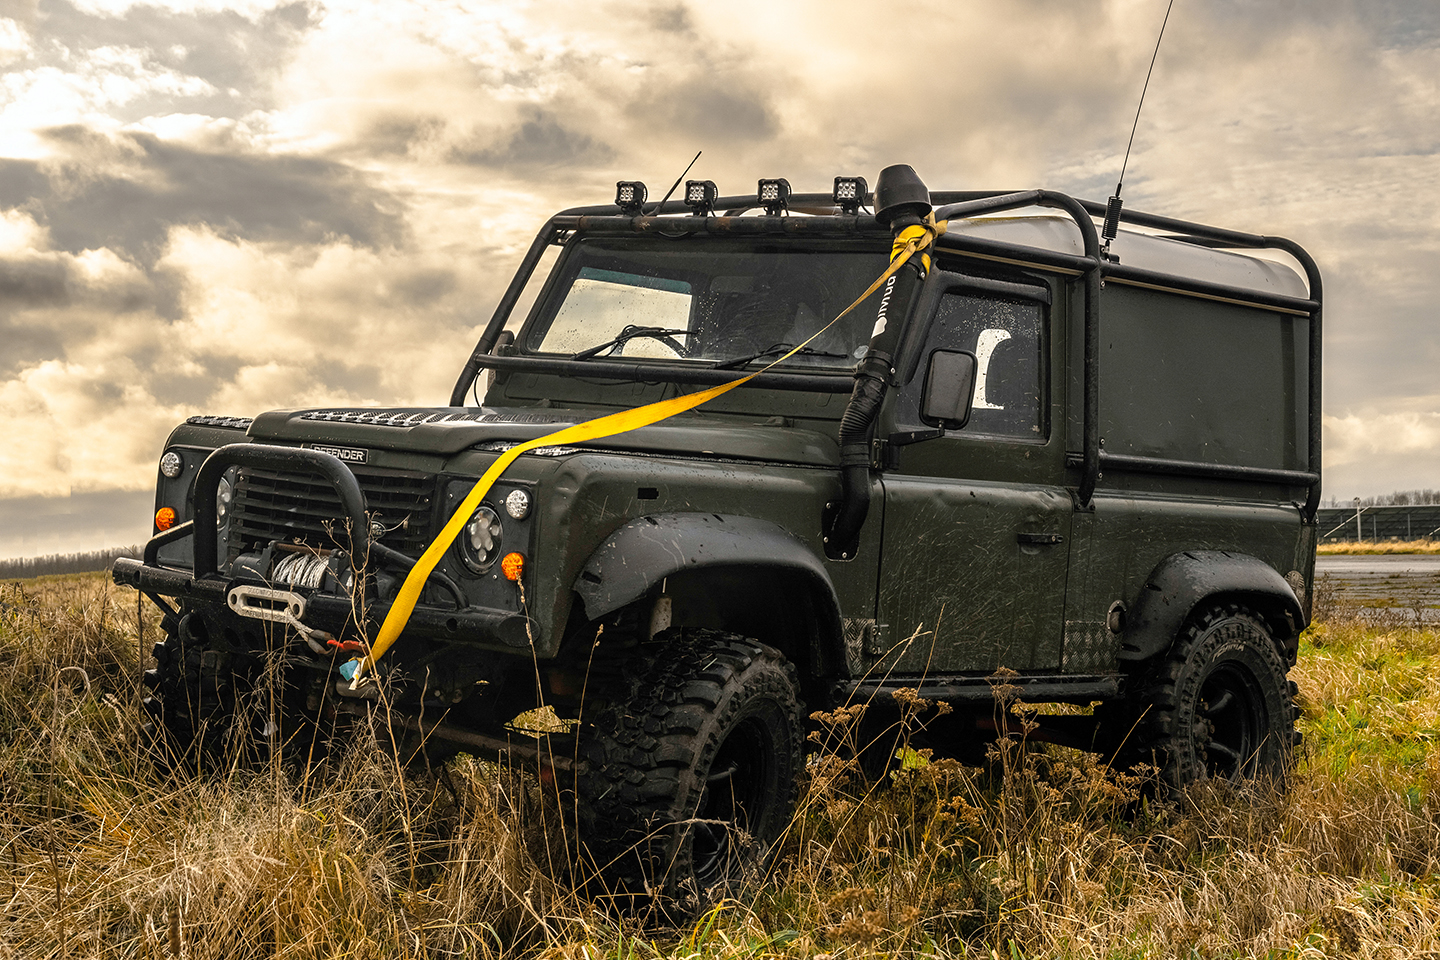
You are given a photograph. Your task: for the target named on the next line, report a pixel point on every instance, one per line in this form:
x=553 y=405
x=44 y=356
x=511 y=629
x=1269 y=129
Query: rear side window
x=1183 y=378
x=1008 y=340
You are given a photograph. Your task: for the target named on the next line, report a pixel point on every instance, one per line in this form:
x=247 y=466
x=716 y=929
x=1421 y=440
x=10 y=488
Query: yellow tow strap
x=909 y=241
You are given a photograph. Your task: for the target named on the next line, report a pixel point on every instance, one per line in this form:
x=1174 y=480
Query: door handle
x=1039 y=539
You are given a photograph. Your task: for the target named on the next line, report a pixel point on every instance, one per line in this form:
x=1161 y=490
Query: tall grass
x=1042 y=852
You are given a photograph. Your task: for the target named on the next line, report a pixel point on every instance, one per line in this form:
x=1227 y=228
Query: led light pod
x=850 y=193
x=171 y=465
x=773 y=195
x=513 y=566
x=700 y=196
x=630 y=196
x=164 y=518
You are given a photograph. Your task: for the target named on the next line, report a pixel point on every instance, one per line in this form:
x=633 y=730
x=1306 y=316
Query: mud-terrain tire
x=1217 y=706
x=191 y=695
x=690 y=777
x=202 y=708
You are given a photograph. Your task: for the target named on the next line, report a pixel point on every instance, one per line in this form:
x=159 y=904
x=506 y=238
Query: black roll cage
x=1093 y=267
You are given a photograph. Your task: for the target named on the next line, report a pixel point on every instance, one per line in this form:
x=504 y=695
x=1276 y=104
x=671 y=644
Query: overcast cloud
x=224 y=206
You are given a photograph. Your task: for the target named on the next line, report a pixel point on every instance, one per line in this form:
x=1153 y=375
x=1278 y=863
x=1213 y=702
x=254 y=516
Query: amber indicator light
x=164 y=518
x=512 y=566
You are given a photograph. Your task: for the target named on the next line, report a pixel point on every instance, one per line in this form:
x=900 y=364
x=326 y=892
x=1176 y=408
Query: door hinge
x=881 y=455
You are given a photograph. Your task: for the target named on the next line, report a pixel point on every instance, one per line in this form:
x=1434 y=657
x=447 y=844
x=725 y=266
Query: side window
x=1008 y=340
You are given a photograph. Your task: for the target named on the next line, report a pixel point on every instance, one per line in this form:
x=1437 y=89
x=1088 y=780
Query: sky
x=228 y=206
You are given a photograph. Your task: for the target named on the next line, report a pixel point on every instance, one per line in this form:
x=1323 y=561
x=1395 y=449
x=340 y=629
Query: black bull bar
x=207 y=483
x=204 y=582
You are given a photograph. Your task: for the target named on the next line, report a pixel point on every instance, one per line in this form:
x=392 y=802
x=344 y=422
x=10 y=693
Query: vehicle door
x=974 y=551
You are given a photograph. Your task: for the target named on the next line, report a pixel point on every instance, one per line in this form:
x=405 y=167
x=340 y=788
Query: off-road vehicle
x=1088 y=457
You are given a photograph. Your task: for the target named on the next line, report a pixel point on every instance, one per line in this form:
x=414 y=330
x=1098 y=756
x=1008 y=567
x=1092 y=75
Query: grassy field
x=1044 y=853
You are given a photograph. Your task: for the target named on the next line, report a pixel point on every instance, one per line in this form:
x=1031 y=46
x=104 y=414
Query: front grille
x=270 y=505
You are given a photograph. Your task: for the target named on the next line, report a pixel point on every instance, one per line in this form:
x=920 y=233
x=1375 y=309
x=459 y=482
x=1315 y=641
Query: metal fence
x=1379 y=523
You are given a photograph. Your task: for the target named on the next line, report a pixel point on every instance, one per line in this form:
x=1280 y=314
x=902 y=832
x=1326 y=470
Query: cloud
x=217 y=206
x=127 y=190
x=539 y=143
x=37 y=526
x=249 y=9
x=1376 y=451
x=88 y=391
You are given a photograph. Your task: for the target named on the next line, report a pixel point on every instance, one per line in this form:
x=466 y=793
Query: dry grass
x=1044 y=853
x=1375 y=547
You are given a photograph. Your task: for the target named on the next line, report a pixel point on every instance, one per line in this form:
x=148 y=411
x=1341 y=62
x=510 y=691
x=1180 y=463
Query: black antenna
x=692 y=163
x=1112 y=209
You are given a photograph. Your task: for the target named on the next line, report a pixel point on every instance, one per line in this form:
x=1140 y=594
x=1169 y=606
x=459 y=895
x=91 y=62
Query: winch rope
x=907 y=243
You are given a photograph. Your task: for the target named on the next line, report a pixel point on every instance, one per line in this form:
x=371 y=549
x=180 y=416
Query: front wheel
x=1219 y=705
x=691 y=780
x=212 y=701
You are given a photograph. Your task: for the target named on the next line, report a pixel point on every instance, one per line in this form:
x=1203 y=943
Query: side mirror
x=949 y=389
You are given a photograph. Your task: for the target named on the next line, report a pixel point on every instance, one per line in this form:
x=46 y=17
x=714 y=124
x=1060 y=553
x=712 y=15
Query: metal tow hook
x=279 y=606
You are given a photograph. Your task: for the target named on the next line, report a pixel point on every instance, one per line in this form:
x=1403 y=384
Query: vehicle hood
x=449 y=430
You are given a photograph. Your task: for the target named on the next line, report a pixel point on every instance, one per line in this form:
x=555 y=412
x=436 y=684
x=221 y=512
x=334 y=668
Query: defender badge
x=343 y=454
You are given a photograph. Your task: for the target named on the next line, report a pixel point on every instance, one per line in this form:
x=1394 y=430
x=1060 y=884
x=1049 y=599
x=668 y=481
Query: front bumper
x=330 y=612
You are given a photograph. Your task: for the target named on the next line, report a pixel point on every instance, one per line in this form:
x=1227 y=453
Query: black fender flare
x=645 y=551
x=1183 y=580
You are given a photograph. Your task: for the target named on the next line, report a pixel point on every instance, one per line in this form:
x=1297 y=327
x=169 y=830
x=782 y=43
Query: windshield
x=707 y=300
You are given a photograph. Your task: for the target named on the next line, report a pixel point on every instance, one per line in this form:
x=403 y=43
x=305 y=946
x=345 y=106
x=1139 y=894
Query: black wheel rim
x=733 y=801
x=1230 y=722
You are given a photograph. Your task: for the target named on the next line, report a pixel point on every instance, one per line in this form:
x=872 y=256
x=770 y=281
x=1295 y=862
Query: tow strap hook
x=287 y=607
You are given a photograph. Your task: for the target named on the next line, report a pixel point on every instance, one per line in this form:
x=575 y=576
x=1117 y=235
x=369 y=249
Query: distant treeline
x=1400 y=498
x=64 y=563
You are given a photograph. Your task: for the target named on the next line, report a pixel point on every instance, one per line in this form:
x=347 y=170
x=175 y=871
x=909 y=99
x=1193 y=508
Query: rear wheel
x=1218 y=706
x=690 y=781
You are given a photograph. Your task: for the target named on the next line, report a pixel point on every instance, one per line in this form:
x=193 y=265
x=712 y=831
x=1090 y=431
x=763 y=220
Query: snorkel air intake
x=902 y=201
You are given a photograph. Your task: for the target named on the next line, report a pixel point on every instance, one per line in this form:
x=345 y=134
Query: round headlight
x=225 y=495
x=480 y=543
x=171 y=464
x=518 y=504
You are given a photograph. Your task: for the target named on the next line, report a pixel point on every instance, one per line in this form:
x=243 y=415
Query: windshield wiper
x=663 y=334
x=771 y=351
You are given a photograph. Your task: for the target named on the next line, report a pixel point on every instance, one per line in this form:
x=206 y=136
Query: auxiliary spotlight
x=773 y=195
x=850 y=193
x=700 y=196
x=630 y=196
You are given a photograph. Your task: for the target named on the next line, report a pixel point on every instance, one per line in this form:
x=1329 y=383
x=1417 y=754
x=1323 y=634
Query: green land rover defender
x=1085 y=460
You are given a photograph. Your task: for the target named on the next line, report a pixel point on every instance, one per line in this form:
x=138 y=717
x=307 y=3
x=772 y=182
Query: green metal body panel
x=1116 y=546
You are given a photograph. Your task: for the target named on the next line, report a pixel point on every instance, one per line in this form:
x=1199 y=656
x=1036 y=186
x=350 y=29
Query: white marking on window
x=985 y=345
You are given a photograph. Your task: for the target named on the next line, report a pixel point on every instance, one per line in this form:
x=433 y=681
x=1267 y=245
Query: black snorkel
x=902 y=202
